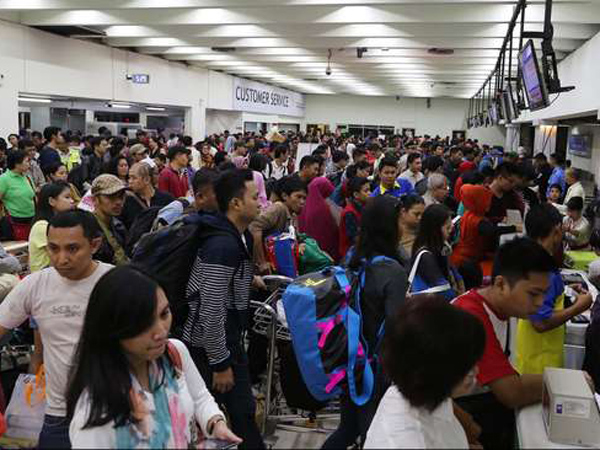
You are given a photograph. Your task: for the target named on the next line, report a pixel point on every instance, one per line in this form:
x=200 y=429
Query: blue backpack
x=325 y=320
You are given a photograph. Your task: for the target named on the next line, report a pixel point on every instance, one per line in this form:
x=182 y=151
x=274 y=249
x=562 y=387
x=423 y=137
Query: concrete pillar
x=545 y=139
x=195 y=120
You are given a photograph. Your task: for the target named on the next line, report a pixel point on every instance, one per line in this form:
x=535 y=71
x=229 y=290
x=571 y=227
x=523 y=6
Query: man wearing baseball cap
x=109 y=196
x=139 y=153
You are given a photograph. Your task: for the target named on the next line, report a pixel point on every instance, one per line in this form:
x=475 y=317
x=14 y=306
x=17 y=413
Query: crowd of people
x=458 y=265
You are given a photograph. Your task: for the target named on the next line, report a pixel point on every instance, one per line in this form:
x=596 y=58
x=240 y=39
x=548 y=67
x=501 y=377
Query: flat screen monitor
x=533 y=79
x=512 y=109
x=580 y=145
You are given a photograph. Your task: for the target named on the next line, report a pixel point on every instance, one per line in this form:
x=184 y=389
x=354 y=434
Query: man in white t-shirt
x=413 y=174
x=57 y=299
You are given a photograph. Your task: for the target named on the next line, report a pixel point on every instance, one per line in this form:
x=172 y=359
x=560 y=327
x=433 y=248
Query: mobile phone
x=216 y=444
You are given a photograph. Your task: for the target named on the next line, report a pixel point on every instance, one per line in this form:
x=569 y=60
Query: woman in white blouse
x=132 y=387
x=430 y=352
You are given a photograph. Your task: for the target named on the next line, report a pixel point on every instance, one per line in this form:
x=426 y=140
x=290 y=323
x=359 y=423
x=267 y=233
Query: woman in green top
x=18 y=195
x=53 y=198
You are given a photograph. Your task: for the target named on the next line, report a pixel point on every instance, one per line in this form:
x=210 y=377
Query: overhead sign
x=251 y=96
x=140 y=78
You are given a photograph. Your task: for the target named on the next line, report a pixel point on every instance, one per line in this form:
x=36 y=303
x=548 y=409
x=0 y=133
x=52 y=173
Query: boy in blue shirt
x=388 y=184
x=540 y=339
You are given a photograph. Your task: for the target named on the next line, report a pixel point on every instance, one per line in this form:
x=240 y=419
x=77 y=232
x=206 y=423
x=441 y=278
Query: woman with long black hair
x=131 y=386
x=383 y=292
x=52 y=199
x=431 y=271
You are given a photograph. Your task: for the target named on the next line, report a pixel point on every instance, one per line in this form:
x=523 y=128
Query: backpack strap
x=353 y=322
x=174 y=356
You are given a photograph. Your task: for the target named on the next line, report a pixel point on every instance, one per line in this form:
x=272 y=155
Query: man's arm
x=516 y=391
x=260 y=258
x=583 y=303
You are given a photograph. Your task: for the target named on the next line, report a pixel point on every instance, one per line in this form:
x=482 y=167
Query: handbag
x=413 y=274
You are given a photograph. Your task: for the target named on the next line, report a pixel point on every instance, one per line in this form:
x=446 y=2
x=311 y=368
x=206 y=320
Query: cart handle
x=279 y=279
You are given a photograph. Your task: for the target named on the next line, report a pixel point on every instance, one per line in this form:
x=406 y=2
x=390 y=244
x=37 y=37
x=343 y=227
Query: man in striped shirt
x=218 y=293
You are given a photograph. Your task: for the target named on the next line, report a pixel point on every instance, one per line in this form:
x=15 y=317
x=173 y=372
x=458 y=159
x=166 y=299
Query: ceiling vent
x=441 y=51
x=223 y=49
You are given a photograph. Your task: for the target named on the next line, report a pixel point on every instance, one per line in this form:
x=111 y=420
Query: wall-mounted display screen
x=580 y=145
x=533 y=79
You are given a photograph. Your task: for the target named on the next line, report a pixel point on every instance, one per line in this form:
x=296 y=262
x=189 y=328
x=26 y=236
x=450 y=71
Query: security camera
x=328 y=71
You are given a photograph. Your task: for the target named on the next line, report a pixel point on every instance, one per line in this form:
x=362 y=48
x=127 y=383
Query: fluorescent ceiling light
x=155 y=108
x=35 y=100
x=118 y=105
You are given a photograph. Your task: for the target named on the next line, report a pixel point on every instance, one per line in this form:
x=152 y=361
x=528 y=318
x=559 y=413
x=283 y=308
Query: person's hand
x=577 y=287
x=589 y=381
x=223 y=381
x=34 y=364
x=264 y=268
x=584 y=302
x=259 y=283
x=519 y=228
x=301 y=249
x=222 y=431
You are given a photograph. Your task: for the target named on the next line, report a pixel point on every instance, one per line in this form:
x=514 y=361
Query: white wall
x=444 y=116
x=41 y=63
x=218 y=121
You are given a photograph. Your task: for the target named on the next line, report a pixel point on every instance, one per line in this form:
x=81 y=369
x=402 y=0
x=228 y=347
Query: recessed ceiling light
x=155 y=108
x=35 y=100
x=118 y=105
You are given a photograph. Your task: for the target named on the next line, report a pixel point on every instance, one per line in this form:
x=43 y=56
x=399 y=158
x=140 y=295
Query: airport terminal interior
x=299 y=224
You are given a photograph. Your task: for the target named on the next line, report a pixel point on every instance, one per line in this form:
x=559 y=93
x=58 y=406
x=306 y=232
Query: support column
x=545 y=139
x=513 y=131
x=195 y=120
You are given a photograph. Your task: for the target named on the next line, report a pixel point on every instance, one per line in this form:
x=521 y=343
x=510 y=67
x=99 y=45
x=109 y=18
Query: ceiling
x=287 y=42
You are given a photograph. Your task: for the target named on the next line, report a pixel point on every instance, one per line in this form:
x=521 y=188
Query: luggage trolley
x=269 y=321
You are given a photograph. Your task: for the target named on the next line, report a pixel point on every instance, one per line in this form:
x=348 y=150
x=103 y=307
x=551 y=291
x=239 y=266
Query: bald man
x=143 y=195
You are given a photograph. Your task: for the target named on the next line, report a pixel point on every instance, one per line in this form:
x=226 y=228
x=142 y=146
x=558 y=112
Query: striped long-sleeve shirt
x=218 y=293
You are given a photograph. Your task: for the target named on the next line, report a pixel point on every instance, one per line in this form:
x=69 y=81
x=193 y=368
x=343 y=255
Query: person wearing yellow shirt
x=54 y=198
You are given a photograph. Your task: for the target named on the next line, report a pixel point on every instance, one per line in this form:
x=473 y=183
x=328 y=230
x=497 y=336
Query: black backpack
x=144 y=223
x=167 y=255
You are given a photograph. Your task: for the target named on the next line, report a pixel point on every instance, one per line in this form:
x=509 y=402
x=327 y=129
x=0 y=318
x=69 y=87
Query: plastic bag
x=282 y=253
x=25 y=411
x=313 y=259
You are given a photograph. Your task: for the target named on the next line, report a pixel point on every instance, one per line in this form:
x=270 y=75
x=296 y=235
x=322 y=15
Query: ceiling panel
x=287 y=42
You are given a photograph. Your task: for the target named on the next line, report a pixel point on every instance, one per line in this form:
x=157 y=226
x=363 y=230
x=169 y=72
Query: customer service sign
x=251 y=96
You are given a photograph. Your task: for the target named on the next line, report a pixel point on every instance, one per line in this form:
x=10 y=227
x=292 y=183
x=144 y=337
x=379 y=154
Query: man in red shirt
x=521 y=277
x=173 y=178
